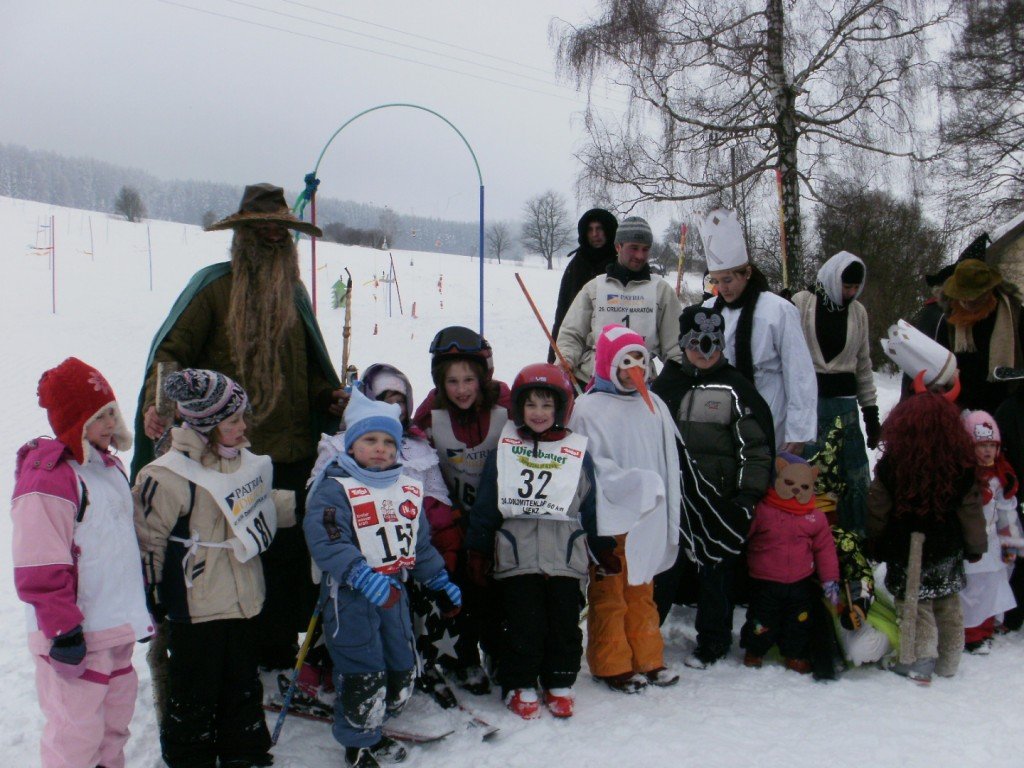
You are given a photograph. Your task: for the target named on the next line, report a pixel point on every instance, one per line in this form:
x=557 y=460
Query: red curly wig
x=927 y=450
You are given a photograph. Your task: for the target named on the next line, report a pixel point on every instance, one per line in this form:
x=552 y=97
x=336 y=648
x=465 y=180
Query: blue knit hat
x=364 y=415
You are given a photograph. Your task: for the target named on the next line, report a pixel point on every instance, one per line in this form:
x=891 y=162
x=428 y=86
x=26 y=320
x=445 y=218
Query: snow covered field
x=726 y=716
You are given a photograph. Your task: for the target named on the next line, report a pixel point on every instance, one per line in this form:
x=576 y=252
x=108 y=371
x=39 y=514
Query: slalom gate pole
x=398 y=290
x=682 y=252
x=293 y=684
x=312 y=246
x=551 y=341
x=782 y=227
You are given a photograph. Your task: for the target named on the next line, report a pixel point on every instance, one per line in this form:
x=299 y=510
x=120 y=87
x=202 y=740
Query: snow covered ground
x=726 y=716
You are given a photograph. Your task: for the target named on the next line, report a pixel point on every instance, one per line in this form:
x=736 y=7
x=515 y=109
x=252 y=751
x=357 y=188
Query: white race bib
x=385 y=521
x=542 y=484
x=463 y=464
x=635 y=307
x=243 y=496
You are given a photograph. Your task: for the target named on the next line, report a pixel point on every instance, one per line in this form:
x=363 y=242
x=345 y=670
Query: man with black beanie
x=596 y=251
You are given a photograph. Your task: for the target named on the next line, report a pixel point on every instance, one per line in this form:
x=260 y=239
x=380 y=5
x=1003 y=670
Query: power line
x=415 y=36
x=392 y=42
x=340 y=44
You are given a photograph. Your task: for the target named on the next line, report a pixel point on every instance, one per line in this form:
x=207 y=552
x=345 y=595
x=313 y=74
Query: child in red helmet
x=988 y=592
x=76 y=563
x=536 y=500
x=632 y=437
x=463 y=417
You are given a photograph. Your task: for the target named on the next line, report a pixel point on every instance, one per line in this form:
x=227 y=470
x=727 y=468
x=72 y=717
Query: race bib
x=635 y=307
x=462 y=464
x=385 y=521
x=541 y=482
x=243 y=497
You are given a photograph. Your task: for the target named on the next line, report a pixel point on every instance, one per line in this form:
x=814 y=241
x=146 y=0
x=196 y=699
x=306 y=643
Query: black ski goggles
x=457 y=339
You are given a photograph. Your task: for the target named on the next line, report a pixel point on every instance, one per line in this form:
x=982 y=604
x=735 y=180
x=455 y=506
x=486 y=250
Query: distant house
x=1007 y=251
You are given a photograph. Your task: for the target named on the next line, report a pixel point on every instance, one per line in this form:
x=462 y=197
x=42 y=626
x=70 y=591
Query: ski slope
x=726 y=716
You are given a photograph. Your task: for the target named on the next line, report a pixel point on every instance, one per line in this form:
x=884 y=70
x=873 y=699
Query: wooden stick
x=908 y=615
x=544 y=326
x=682 y=252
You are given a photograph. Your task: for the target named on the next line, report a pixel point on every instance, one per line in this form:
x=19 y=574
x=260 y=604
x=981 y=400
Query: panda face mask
x=706 y=337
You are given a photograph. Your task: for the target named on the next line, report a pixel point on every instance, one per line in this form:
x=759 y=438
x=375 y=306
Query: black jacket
x=585 y=265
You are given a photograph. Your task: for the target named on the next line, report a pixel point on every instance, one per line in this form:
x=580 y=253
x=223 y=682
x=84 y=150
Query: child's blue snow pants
x=372 y=652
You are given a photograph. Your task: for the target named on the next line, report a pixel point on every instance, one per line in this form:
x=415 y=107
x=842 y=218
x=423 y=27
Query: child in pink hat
x=632 y=438
x=988 y=592
x=76 y=563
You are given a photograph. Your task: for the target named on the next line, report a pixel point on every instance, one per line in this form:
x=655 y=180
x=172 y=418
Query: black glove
x=68 y=653
x=872 y=427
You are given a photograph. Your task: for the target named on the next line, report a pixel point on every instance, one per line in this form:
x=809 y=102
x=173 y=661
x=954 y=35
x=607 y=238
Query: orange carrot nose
x=636 y=375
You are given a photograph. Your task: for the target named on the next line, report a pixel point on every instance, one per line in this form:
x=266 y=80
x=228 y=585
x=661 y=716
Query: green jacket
x=194 y=335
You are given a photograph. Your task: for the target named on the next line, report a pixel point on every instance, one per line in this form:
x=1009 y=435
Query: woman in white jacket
x=763 y=338
x=835 y=326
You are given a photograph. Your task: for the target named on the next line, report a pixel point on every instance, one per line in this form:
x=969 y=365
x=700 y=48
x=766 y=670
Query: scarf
x=792 y=506
x=375 y=478
x=746 y=303
x=1004 y=344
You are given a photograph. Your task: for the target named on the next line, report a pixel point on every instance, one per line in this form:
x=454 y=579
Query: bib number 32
x=529 y=480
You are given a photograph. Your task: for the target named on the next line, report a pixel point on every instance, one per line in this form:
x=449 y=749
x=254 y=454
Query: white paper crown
x=914 y=352
x=722 y=236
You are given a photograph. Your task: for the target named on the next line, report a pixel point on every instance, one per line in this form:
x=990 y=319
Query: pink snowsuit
x=77 y=562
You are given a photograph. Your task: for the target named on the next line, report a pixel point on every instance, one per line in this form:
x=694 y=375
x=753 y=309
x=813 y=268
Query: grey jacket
x=525 y=545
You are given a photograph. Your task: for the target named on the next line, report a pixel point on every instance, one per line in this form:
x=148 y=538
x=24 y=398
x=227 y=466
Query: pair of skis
x=307 y=708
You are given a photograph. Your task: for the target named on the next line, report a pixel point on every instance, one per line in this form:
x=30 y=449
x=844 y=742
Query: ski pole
x=293 y=684
x=551 y=341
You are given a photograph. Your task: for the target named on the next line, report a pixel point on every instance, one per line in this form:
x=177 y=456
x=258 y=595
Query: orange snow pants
x=623 y=633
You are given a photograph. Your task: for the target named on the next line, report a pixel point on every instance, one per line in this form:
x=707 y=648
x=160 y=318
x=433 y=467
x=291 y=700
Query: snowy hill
x=727 y=716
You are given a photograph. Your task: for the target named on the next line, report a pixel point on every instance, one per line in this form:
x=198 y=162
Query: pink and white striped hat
x=205 y=398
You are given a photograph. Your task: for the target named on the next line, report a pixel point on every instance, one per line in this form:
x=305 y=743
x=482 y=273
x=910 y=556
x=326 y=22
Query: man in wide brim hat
x=264 y=204
x=971 y=279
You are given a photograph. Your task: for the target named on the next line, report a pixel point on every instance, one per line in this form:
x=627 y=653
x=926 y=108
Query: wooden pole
x=679 y=267
x=53 y=268
x=544 y=327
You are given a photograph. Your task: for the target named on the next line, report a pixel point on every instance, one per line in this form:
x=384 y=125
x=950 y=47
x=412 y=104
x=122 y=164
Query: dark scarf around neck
x=746 y=303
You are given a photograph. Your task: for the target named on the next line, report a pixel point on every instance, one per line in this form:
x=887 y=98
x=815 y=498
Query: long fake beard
x=961 y=317
x=261 y=314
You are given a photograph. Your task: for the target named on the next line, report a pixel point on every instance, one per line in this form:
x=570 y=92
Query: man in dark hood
x=596 y=229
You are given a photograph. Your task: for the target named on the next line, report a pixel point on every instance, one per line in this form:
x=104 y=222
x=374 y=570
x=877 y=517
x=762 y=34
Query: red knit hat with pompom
x=74 y=393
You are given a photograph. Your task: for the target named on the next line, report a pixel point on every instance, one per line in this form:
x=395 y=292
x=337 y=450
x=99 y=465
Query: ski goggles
x=457 y=339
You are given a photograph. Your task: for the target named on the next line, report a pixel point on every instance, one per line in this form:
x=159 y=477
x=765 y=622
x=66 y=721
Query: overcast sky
x=241 y=91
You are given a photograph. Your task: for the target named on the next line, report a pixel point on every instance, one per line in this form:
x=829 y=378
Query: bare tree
x=984 y=89
x=129 y=204
x=546 y=227
x=499 y=238
x=790 y=80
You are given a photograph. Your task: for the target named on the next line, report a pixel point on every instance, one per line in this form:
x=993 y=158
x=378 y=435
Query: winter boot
x=702 y=658
x=752 y=661
x=474 y=680
x=360 y=757
x=803 y=666
x=979 y=647
x=919 y=672
x=627 y=682
x=387 y=750
x=432 y=682
x=662 y=677
x=523 y=702
x=559 y=701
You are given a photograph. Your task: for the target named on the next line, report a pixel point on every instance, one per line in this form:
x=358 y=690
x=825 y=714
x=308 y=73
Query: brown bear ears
x=781 y=464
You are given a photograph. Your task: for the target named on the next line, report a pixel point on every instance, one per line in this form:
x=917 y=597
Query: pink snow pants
x=87 y=719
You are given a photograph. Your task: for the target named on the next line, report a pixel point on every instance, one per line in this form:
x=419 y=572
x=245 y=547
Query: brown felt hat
x=971 y=278
x=264 y=204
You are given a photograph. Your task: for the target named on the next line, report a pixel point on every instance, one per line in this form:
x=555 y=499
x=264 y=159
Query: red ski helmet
x=457 y=342
x=548 y=377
